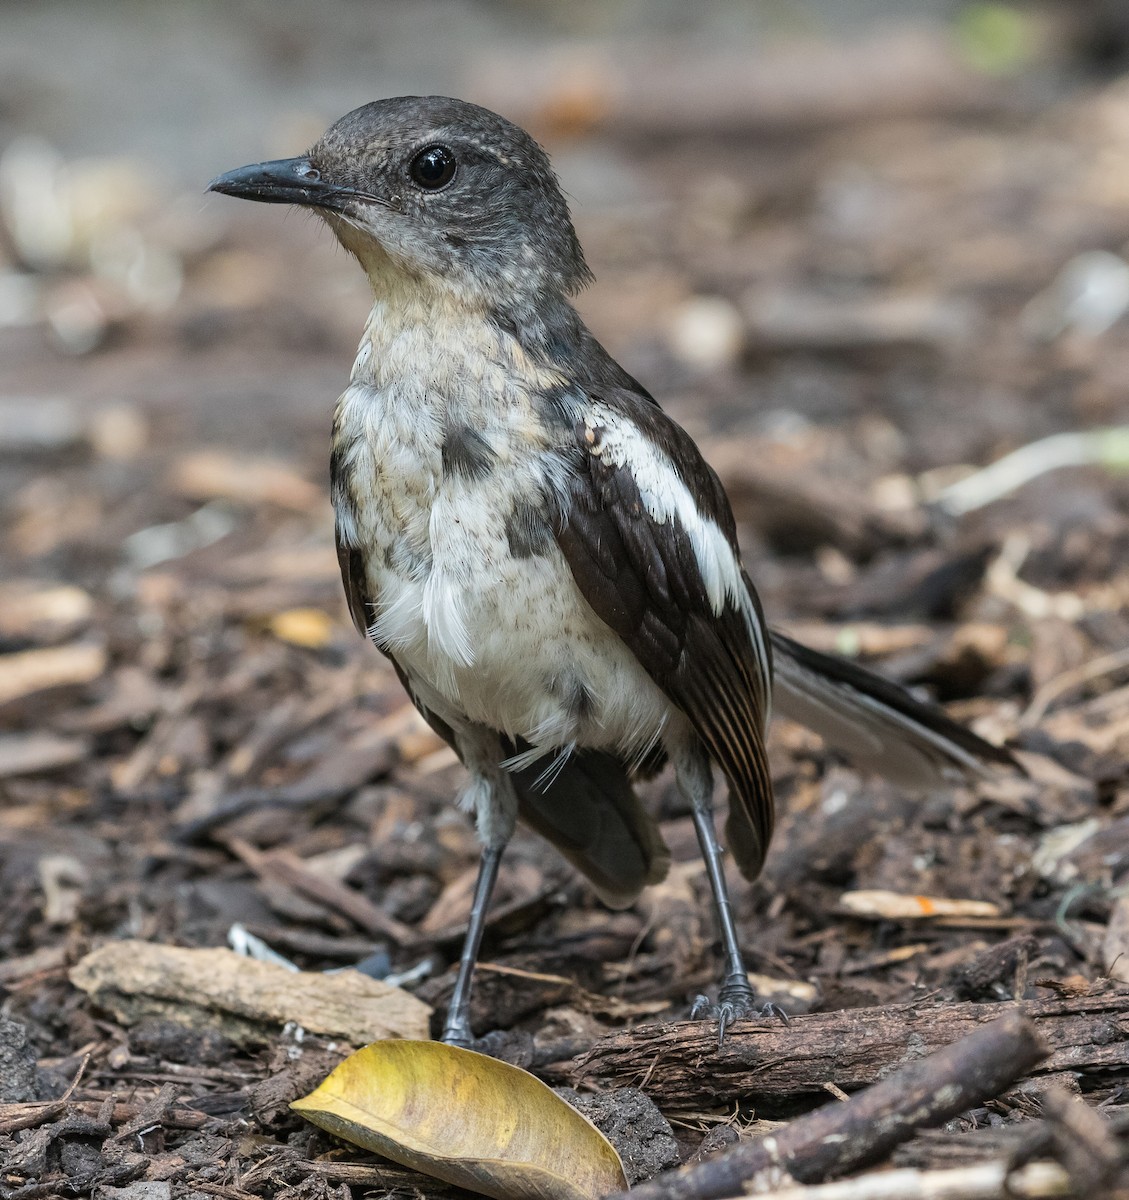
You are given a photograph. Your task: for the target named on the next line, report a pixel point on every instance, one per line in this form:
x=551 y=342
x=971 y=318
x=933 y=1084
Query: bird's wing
x=352 y=564
x=650 y=540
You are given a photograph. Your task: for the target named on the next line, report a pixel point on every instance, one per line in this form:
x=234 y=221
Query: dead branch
x=769 y=1063
x=32 y=1114
x=846 y=1135
x=981 y=1181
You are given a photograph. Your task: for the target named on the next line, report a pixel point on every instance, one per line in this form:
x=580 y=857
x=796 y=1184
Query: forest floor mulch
x=198 y=750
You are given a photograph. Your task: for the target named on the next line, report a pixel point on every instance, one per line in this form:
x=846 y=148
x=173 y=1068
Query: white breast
x=505 y=641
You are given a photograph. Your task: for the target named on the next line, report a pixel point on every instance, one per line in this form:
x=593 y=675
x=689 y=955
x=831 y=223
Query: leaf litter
x=193 y=738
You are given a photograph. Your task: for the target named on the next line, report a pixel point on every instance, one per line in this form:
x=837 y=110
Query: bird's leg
x=735 y=998
x=456 y=1030
x=490 y=794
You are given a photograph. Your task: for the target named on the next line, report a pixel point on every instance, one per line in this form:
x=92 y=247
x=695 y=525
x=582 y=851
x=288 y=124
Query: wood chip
x=217 y=475
x=898 y=906
x=35 y=753
x=245 y=1000
x=29 y=672
x=30 y=609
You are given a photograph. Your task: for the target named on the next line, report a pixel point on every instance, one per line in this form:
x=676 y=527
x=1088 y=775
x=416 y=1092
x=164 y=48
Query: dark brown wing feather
x=642 y=579
x=352 y=564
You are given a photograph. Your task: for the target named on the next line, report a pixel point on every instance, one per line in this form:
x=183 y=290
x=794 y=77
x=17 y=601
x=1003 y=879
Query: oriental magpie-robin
x=540 y=550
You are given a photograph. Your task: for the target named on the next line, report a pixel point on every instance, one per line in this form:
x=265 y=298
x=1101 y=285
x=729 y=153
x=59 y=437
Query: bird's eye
x=433 y=168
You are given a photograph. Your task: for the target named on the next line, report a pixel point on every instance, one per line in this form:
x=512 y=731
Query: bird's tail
x=875 y=722
x=588 y=809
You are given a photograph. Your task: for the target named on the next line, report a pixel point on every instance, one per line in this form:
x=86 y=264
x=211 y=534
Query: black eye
x=433 y=168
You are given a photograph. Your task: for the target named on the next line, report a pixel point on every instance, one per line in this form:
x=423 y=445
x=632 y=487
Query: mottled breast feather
x=644 y=577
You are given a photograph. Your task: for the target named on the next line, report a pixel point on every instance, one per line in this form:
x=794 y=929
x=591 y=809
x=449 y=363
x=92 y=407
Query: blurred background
x=861 y=249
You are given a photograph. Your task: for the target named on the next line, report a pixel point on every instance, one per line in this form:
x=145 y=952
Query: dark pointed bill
x=283 y=181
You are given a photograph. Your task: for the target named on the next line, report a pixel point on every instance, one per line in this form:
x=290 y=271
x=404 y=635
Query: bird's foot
x=511 y=1045
x=736 y=1001
x=457 y=1031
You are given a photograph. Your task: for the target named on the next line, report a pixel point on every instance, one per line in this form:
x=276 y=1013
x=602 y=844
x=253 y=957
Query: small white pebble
x=706 y=333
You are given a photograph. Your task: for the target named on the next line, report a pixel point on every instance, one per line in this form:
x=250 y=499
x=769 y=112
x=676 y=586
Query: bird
x=540 y=550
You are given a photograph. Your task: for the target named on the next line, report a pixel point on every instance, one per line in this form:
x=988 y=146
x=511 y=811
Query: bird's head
x=442 y=191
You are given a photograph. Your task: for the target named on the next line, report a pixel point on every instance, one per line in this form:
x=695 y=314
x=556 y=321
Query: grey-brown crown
x=481 y=208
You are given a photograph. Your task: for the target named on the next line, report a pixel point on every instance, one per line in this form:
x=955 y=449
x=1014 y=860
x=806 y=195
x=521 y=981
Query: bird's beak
x=283 y=181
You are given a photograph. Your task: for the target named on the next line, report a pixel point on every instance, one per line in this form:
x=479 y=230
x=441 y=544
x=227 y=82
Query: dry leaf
x=467 y=1119
x=310 y=628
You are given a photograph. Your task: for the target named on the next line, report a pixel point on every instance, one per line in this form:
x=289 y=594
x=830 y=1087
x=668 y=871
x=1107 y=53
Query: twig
x=284 y=867
x=983 y=1181
x=845 y=1136
x=38 y=962
x=76 y=1080
x=1107 y=664
x=219 y=1189
x=1103 y=447
x=39 y=1112
x=29 y=1115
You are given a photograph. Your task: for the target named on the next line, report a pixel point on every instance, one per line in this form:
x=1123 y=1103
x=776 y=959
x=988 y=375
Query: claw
x=725 y=1017
x=773 y=1010
x=735 y=1002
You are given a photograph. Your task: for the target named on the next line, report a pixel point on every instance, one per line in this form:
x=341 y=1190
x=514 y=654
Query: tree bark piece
x=844 y=1136
x=42 y=1112
x=245 y=1000
x=771 y=1064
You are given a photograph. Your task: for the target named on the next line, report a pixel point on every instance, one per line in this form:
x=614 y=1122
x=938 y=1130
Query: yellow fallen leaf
x=307 y=627
x=467 y=1119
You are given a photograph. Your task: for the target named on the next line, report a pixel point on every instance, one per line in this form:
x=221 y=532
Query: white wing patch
x=667 y=498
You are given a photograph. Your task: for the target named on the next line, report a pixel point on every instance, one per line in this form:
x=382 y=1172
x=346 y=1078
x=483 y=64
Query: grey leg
x=457 y=1030
x=490 y=794
x=735 y=998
